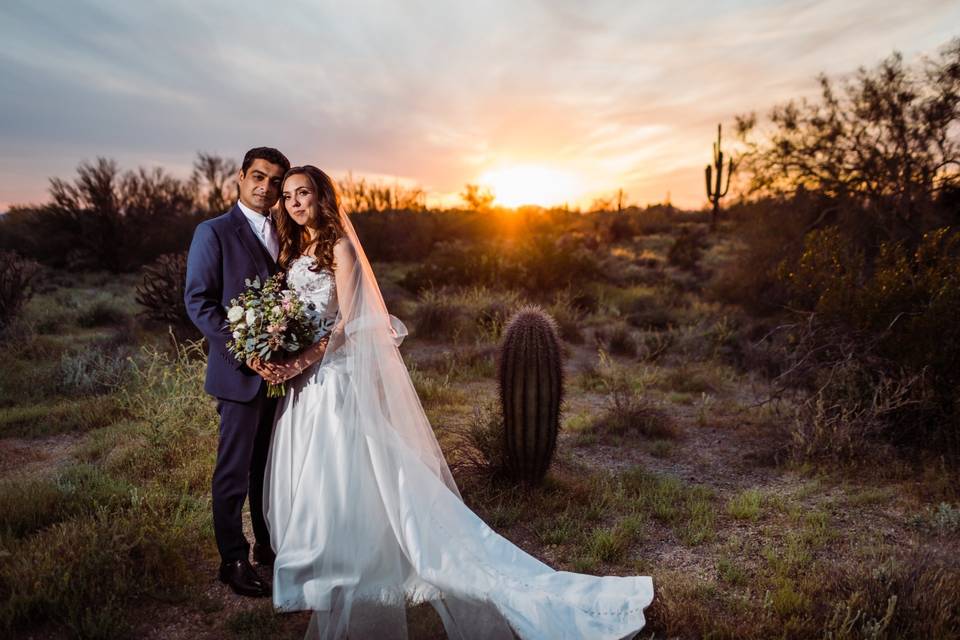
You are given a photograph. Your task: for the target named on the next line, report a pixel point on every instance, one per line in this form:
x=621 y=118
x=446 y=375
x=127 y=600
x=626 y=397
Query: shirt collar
x=257 y=218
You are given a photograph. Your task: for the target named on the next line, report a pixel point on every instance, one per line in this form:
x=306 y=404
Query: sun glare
x=530 y=184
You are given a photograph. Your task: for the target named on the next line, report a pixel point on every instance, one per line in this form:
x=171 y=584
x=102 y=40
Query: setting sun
x=530 y=184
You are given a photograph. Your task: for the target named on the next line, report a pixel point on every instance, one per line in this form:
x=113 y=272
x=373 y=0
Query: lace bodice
x=318 y=287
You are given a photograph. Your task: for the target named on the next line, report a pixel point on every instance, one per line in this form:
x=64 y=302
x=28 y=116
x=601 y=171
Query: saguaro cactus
x=714 y=192
x=531 y=389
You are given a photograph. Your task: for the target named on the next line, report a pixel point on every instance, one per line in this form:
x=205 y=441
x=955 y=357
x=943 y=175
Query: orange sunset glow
x=539 y=102
x=518 y=185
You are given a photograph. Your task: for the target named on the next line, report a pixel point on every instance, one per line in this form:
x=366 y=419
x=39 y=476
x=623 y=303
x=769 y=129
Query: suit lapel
x=265 y=265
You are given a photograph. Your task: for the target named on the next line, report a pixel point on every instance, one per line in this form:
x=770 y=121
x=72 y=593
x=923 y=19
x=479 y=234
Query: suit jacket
x=223 y=254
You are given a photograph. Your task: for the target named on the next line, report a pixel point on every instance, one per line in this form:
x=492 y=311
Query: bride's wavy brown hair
x=294 y=239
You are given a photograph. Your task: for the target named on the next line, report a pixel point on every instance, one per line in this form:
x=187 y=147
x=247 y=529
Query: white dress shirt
x=259 y=223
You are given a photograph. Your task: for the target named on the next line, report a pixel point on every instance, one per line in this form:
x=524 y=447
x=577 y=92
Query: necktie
x=270 y=238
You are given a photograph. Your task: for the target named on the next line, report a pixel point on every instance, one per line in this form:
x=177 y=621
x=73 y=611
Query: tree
x=108 y=220
x=885 y=145
x=358 y=196
x=214 y=181
x=476 y=197
x=88 y=211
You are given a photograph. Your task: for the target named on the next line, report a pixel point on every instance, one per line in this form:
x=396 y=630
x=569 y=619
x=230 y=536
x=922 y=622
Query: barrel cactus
x=531 y=389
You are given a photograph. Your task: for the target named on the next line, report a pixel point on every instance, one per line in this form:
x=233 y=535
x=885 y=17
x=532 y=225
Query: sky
x=546 y=101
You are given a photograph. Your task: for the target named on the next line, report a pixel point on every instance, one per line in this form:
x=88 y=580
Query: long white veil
x=367 y=336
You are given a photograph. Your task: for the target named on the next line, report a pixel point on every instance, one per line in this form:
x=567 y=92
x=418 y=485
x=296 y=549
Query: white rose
x=236 y=335
x=276 y=310
x=235 y=313
x=251 y=316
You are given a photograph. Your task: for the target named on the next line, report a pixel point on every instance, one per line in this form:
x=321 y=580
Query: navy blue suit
x=224 y=253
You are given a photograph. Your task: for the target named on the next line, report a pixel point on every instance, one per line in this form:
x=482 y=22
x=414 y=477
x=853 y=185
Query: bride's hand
x=285 y=368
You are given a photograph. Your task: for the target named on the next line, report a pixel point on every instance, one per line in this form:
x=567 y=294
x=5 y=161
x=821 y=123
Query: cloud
x=621 y=93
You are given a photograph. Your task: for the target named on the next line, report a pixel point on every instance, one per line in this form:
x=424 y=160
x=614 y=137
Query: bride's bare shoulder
x=344 y=252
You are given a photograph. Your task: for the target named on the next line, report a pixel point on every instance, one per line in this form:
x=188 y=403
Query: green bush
x=101 y=313
x=687 y=249
x=31 y=505
x=161 y=291
x=539 y=265
x=475 y=313
x=17 y=277
x=900 y=310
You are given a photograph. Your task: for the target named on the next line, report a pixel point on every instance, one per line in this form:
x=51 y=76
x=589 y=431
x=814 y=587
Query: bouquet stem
x=276 y=390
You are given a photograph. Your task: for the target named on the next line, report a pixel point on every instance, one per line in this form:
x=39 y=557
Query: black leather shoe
x=243 y=579
x=263 y=554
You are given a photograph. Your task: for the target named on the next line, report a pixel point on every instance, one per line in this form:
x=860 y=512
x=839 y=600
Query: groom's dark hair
x=269 y=154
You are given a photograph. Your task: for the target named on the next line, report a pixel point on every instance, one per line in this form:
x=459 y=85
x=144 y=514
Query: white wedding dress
x=364 y=521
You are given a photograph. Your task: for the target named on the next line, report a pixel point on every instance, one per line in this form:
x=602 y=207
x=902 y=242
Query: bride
x=363 y=513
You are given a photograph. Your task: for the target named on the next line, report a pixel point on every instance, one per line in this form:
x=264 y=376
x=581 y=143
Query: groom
x=225 y=251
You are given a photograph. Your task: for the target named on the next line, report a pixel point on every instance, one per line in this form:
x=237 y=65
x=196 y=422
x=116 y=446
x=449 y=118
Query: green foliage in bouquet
x=267 y=319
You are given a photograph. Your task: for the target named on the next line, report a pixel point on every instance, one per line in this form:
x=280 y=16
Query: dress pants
x=245 y=430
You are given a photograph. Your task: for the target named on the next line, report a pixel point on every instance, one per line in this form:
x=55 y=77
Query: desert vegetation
x=762 y=416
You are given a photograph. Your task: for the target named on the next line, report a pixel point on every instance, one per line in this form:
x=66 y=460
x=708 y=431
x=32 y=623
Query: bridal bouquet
x=267 y=319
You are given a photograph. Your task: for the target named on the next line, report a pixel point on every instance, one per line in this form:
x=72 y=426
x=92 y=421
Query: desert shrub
x=855 y=409
x=17 y=281
x=460 y=264
x=550 y=263
x=568 y=316
x=95 y=368
x=100 y=313
x=626 y=409
x=473 y=313
x=648 y=309
x=538 y=265
x=379 y=232
x=460 y=363
x=621 y=228
x=438 y=316
x=161 y=291
x=900 y=312
x=891 y=311
x=882 y=146
x=692 y=377
x=479 y=451
x=652 y=345
x=769 y=232
x=906 y=595
x=617 y=339
x=861 y=231
x=490 y=309
x=687 y=249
